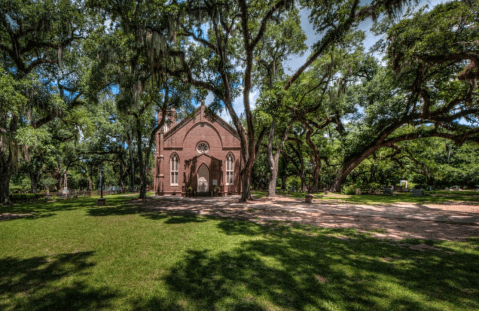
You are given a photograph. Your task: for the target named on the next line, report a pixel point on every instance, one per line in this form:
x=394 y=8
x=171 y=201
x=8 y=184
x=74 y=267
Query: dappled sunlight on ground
x=174 y=253
x=396 y=221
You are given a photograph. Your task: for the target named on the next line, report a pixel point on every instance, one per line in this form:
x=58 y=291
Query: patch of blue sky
x=114 y=88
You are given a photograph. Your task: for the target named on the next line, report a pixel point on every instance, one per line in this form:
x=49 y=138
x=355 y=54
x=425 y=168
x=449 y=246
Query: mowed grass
x=73 y=255
x=433 y=197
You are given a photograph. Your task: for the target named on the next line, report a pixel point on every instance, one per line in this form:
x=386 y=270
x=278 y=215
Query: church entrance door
x=203 y=179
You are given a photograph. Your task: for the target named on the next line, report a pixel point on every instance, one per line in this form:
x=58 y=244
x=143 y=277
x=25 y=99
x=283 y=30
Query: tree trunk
x=338 y=181
x=60 y=181
x=34 y=182
x=5 y=175
x=272 y=182
x=34 y=179
x=315 y=181
x=246 y=182
x=273 y=160
x=316 y=156
x=90 y=178
x=65 y=180
x=273 y=164
x=120 y=182
x=344 y=170
x=304 y=186
x=132 y=164
x=283 y=182
x=140 y=160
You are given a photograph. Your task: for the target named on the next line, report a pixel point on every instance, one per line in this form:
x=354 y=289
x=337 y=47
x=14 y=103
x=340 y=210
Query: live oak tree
x=280 y=42
x=335 y=19
x=11 y=99
x=213 y=62
x=419 y=86
x=34 y=37
x=209 y=40
x=140 y=59
x=317 y=98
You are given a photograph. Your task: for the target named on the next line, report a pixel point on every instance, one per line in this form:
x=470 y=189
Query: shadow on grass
x=174 y=217
x=319 y=269
x=45 y=209
x=113 y=210
x=28 y=284
x=5 y=217
x=182 y=219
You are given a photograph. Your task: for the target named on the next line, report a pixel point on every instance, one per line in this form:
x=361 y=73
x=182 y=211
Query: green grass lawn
x=73 y=255
x=436 y=197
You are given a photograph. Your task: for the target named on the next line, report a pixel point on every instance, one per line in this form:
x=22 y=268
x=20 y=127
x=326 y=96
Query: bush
x=293 y=182
x=29 y=197
x=375 y=186
x=48 y=182
x=349 y=189
x=26 y=184
x=15 y=189
x=421 y=186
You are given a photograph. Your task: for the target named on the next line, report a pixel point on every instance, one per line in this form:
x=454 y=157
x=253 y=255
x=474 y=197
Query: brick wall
x=183 y=139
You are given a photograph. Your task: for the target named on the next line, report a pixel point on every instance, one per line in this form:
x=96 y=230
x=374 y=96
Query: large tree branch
x=330 y=37
x=265 y=20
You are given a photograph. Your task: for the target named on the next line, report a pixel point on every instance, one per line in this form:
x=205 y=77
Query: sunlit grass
x=75 y=255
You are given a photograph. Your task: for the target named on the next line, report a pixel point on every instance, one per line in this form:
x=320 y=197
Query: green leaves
x=446 y=33
x=11 y=99
x=35 y=138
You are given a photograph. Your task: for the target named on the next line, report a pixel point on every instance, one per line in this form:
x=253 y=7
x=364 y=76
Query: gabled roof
x=211 y=118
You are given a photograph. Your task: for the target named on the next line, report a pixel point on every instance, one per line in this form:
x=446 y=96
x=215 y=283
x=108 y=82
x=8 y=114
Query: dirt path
x=394 y=221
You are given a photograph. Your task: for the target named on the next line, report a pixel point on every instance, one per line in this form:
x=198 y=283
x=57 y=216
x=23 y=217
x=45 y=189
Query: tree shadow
x=174 y=217
x=47 y=207
x=321 y=269
x=29 y=284
x=43 y=209
x=169 y=303
x=33 y=216
x=181 y=219
x=101 y=211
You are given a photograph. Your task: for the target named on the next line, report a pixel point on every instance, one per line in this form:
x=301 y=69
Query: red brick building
x=200 y=152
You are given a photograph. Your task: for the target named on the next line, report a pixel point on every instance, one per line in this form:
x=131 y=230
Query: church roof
x=210 y=117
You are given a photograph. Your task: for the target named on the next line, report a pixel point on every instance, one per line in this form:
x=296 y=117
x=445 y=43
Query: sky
x=312 y=38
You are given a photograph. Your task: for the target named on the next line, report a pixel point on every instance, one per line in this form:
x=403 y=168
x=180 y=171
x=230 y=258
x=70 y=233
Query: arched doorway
x=203 y=179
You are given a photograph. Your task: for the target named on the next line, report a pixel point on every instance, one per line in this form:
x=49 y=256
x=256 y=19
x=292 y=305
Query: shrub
x=48 y=182
x=293 y=182
x=374 y=186
x=15 y=189
x=30 y=197
x=349 y=189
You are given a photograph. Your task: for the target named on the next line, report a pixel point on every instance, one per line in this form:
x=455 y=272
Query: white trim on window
x=229 y=169
x=174 y=162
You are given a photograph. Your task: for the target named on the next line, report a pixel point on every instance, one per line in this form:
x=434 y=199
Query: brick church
x=198 y=155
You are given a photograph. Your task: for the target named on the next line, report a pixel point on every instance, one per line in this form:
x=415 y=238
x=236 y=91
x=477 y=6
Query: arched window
x=229 y=169
x=174 y=170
